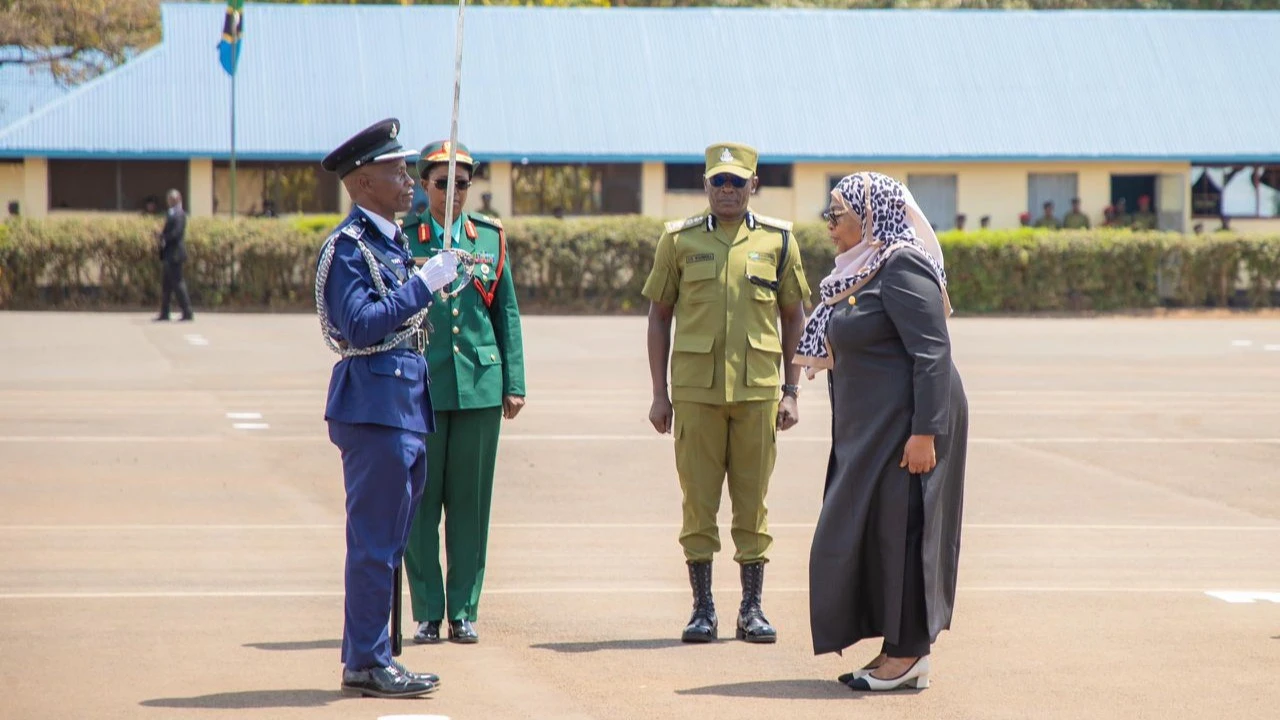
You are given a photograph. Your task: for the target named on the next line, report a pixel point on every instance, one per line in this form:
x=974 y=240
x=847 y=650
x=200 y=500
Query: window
x=274 y=188
x=1057 y=188
x=1235 y=191
x=582 y=189
x=688 y=176
x=121 y=185
x=774 y=175
x=936 y=195
x=685 y=176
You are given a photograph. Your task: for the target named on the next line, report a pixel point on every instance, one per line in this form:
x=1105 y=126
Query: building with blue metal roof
x=985 y=113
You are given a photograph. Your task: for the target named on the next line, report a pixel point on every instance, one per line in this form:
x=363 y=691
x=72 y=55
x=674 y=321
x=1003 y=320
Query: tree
x=76 y=39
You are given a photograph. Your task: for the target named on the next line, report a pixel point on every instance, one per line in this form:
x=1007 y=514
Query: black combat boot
x=752 y=624
x=703 y=624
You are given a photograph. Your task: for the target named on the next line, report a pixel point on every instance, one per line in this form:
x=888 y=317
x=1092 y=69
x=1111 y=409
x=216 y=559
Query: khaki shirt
x=1075 y=221
x=727 y=344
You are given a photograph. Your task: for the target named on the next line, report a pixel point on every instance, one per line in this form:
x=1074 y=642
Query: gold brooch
x=853 y=300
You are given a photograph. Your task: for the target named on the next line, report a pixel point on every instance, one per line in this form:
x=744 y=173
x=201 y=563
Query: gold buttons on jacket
x=493 y=357
x=456 y=330
x=853 y=300
x=455 y=312
x=455 y=349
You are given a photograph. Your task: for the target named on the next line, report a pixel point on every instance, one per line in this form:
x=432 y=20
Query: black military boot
x=703 y=624
x=752 y=624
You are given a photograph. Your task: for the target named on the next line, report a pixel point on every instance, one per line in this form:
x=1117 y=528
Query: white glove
x=439 y=271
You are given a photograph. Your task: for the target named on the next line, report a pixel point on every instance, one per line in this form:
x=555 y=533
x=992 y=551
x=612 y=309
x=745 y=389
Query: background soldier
x=725 y=277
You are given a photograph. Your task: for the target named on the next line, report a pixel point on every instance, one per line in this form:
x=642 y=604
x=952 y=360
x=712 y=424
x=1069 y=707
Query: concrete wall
x=35 y=186
x=12 y=186
x=199 y=200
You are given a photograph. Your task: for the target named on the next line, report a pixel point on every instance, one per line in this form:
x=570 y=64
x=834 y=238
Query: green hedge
x=599 y=265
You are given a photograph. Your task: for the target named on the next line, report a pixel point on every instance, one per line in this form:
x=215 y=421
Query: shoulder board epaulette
x=353 y=230
x=773 y=222
x=676 y=226
x=485 y=219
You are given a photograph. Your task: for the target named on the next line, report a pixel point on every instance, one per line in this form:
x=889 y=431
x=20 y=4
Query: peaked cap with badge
x=376 y=143
x=438 y=152
x=733 y=158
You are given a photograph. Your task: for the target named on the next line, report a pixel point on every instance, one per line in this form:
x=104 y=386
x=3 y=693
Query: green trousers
x=738 y=440
x=460 y=460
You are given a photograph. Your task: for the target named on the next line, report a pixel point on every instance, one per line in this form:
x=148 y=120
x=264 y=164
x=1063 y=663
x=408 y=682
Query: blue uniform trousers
x=385 y=471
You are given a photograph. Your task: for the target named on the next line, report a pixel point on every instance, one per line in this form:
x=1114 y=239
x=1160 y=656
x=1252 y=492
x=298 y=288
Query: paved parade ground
x=171 y=533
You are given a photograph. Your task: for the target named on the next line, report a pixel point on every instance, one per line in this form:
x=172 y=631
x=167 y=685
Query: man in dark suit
x=173 y=253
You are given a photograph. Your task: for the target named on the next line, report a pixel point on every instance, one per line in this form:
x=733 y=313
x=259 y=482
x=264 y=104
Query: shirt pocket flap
x=704 y=270
x=701 y=344
x=395 y=366
x=764 y=271
x=765 y=343
x=487 y=355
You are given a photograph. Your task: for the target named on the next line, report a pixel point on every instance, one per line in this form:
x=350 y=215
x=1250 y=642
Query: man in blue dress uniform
x=371 y=303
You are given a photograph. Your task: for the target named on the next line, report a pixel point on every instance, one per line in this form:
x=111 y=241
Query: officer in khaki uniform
x=476 y=361
x=725 y=277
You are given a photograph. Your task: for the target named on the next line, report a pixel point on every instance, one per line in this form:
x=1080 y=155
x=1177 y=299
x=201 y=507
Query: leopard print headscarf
x=891 y=221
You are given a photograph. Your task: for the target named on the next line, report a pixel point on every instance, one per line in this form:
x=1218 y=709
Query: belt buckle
x=420 y=340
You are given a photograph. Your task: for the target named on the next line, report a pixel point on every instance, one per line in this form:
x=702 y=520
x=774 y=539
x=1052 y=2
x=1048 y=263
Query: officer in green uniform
x=1048 y=220
x=1143 y=219
x=476 y=361
x=1075 y=220
x=725 y=277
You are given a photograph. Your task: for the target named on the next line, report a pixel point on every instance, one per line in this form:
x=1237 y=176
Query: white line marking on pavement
x=1244 y=596
x=1241 y=343
x=629 y=526
x=197 y=340
x=25 y=439
x=1272 y=348
x=250 y=426
x=1112 y=440
x=652 y=590
x=244 y=416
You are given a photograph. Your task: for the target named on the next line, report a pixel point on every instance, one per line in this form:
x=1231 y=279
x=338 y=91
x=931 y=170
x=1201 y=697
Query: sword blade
x=451 y=191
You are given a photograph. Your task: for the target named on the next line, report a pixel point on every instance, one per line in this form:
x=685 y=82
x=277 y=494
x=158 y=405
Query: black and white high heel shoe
x=867 y=669
x=917 y=676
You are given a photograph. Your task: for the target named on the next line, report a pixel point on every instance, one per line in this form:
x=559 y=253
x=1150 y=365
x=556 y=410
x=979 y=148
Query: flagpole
x=235 y=65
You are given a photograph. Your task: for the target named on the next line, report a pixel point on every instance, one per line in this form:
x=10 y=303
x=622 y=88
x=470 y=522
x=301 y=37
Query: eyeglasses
x=833 y=216
x=722 y=178
x=443 y=184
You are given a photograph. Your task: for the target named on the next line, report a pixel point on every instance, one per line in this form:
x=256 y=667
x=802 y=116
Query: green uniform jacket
x=727 y=345
x=475 y=353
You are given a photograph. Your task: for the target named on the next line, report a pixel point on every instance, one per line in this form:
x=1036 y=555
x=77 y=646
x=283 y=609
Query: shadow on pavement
x=297 y=645
x=807 y=689
x=586 y=647
x=251 y=699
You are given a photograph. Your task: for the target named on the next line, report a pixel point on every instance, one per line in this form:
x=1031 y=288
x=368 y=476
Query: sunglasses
x=721 y=179
x=443 y=184
x=833 y=216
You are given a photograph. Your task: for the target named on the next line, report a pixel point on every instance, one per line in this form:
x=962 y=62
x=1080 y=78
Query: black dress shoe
x=461 y=631
x=383 y=682
x=162 y=318
x=186 y=318
x=432 y=678
x=428 y=632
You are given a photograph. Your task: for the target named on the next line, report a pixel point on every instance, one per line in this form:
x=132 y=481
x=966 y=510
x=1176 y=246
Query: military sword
x=451 y=191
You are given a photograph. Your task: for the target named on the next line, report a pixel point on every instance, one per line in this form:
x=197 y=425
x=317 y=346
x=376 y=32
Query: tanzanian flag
x=232 y=30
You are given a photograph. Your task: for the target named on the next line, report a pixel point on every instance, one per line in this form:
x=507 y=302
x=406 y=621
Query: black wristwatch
x=792 y=390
